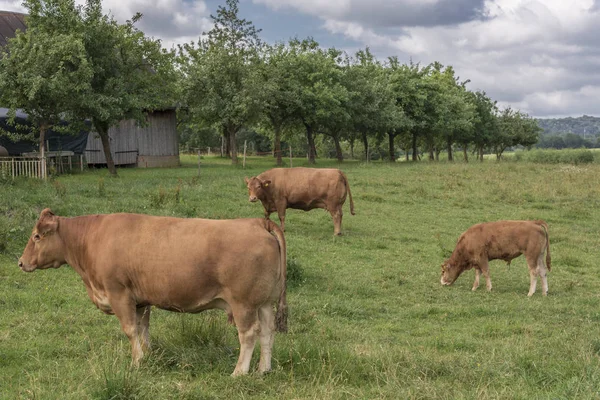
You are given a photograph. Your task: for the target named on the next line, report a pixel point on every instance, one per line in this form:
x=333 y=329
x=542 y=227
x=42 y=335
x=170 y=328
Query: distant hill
x=585 y=125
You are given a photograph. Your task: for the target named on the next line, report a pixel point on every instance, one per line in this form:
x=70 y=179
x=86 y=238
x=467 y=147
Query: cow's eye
x=37 y=237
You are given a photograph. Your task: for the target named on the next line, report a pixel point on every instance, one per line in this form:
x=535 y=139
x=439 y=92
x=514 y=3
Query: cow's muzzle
x=253 y=199
x=25 y=267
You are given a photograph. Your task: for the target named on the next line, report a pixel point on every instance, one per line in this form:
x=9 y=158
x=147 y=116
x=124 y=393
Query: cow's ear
x=266 y=183
x=246 y=180
x=48 y=222
x=46 y=212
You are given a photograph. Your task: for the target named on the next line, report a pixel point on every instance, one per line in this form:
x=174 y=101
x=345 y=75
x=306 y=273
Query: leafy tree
x=44 y=72
x=485 y=124
x=281 y=102
x=515 y=128
x=222 y=75
x=371 y=104
x=82 y=64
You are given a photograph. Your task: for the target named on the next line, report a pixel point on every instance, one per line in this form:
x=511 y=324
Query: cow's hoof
x=337 y=234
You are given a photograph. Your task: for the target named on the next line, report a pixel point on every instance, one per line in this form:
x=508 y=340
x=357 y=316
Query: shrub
x=551 y=156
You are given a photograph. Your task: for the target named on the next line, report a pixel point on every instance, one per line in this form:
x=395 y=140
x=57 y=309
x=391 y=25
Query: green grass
x=368 y=316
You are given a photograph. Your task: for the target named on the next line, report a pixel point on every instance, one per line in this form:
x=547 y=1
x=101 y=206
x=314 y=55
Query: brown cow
x=501 y=240
x=129 y=262
x=301 y=188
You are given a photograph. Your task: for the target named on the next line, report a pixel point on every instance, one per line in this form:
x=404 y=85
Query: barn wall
x=153 y=145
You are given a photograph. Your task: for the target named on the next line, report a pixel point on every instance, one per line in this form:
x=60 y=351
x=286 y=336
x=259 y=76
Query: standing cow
x=129 y=262
x=501 y=240
x=301 y=188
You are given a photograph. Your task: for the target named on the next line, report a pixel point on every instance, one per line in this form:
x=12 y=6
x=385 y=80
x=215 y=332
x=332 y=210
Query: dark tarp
x=56 y=141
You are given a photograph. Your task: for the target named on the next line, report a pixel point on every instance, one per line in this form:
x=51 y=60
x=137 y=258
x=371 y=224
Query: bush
x=574 y=156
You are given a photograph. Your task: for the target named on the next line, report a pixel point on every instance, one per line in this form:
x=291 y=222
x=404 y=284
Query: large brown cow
x=501 y=240
x=301 y=188
x=129 y=262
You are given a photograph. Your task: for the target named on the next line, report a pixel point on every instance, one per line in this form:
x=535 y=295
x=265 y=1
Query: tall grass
x=368 y=317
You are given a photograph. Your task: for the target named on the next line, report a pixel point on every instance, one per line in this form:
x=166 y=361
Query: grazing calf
x=130 y=262
x=301 y=188
x=501 y=240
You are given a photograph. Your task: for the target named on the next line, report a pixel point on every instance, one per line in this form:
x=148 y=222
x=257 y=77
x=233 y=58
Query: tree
x=281 y=103
x=371 y=104
x=485 y=124
x=409 y=91
x=515 y=128
x=222 y=76
x=45 y=72
x=85 y=65
x=132 y=73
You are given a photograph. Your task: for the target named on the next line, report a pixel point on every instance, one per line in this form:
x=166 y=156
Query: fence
x=33 y=166
x=11 y=167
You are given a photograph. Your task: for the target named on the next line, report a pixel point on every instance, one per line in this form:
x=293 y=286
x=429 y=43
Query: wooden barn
x=156 y=144
x=153 y=145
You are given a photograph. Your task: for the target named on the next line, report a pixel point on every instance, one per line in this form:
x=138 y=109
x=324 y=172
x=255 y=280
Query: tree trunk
x=431 y=153
x=352 y=148
x=437 y=154
x=338 y=149
x=227 y=144
x=278 y=145
x=312 y=152
x=102 y=129
x=391 y=149
x=43 y=163
x=465 y=153
x=233 y=146
x=406 y=153
x=414 y=147
x=365 y=140
x=449 y=148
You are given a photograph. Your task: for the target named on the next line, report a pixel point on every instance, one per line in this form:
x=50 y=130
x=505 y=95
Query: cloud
x=173 y=21
x=386 y=13
x=543 y=56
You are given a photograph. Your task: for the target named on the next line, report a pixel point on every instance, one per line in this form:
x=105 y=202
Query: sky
x=539 y=56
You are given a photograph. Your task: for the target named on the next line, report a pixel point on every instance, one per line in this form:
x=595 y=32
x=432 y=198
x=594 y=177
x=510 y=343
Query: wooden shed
x=153 y=145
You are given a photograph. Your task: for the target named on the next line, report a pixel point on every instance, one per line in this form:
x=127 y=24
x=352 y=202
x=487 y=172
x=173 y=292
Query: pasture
x=368 y=316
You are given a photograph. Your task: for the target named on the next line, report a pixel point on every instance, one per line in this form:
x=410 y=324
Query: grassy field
x=368 y=316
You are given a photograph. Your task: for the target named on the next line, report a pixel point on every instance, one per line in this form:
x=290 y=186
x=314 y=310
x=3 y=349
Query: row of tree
x=76 y=64
x=232 y=80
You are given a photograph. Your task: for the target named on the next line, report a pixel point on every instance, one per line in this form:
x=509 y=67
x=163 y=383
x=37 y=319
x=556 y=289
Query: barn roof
x=9 y=23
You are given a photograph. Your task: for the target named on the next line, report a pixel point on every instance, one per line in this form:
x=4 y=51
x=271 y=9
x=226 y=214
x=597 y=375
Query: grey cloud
x=383 y=13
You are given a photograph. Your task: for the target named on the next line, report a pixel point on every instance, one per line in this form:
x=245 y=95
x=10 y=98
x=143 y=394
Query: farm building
x=156 y=144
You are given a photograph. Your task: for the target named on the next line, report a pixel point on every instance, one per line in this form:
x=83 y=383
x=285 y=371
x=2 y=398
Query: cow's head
x=44 y=248
x=449 y=273
x=257 y=189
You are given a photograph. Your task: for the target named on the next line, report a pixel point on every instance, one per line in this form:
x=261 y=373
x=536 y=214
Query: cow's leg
x=267 y=334
x=336 y=214
x=476 y=283
x=124 y=308
x=248 y=327
x=532 y=264
x=281 y=214
x=143 y=320
x=543 y=271
x=485 y=270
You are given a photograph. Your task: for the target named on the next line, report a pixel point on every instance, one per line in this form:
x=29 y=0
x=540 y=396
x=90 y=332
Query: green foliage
x=573 y=156
x=222 y=80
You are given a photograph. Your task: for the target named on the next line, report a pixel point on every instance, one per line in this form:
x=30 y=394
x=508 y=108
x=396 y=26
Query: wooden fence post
x=244 y=163
x=198 y=163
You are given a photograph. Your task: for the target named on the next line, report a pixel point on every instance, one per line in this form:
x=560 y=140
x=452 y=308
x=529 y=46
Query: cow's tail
x=349 y=193
x=544 y=225
x=282 y=312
